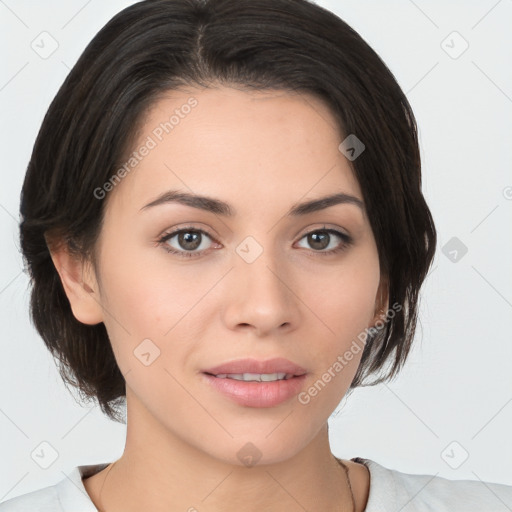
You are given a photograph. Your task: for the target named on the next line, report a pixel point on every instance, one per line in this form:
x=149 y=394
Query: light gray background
x=454 y=398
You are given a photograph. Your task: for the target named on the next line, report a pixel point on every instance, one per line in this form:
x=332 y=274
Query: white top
x=390 y=491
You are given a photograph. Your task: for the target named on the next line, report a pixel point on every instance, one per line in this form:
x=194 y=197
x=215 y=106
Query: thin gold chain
x=342 y=464
x=100 y=504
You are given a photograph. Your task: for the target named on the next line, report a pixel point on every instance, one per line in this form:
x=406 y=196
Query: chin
x=258 y=448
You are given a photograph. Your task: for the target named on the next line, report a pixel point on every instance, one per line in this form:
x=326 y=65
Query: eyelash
x=346 y=241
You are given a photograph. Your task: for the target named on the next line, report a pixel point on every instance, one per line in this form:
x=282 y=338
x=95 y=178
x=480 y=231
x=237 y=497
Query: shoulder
x=68 y=495
x=392 y=490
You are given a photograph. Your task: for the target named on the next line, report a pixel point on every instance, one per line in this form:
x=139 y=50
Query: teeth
x=259 y=377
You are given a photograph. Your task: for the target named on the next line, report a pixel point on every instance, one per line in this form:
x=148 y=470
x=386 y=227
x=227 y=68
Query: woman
x=224 y=225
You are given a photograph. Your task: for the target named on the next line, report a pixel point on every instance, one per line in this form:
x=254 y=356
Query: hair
x=156 y=46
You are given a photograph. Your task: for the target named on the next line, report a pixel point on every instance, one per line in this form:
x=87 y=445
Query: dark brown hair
x=159 y=45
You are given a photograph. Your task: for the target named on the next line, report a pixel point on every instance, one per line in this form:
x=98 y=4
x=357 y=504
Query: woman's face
x=258 y=283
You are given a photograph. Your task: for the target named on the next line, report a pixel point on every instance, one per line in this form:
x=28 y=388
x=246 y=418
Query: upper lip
x=276 y=365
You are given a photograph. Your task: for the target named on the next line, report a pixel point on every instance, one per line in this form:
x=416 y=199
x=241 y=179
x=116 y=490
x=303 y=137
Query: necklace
x=100 y=504
x=348 y=483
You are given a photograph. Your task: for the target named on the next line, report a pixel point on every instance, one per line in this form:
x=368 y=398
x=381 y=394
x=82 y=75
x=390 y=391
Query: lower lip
x=257 y=394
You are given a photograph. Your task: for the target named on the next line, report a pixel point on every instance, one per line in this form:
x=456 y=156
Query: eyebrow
x=219 y=207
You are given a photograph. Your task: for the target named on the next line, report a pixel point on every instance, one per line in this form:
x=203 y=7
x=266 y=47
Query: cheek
x=343 y=304
x=146 y=298
x=344 y=299
x=146 y=292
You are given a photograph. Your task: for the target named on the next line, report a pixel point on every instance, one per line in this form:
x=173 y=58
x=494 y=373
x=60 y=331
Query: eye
x=322 y=239
x=186 y=242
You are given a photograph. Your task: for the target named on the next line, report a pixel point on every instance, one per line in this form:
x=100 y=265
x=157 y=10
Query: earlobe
x=80 y=285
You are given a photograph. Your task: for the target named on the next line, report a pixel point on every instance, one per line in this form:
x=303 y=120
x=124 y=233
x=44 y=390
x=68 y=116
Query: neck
x=160 y=472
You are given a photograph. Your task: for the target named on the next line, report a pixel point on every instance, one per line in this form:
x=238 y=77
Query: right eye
x=185 y=242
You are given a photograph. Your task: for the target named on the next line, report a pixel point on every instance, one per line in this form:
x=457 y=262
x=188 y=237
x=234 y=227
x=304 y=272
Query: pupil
x=319 y=240
x=189 y=240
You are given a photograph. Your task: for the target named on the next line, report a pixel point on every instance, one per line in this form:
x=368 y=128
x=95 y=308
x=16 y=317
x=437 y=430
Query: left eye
x=323 y=239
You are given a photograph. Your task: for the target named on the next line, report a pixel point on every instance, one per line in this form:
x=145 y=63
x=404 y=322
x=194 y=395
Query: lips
x=258 y=392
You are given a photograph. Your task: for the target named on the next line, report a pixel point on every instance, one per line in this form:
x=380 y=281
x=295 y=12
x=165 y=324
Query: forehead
x=266 y=145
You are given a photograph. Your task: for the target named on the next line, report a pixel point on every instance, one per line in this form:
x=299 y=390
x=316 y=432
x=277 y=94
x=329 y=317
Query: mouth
x=253 y=383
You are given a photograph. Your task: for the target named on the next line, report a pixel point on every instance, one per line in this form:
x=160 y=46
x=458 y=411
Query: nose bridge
x=263 y=297
x=259 y=268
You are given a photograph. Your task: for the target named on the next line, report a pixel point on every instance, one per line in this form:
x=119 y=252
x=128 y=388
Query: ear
x=80 y=285
x=381 y=301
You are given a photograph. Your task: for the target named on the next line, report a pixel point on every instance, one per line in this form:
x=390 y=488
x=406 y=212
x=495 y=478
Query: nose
x=261 y=297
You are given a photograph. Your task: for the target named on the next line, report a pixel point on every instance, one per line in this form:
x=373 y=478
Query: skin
x=261 y=152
